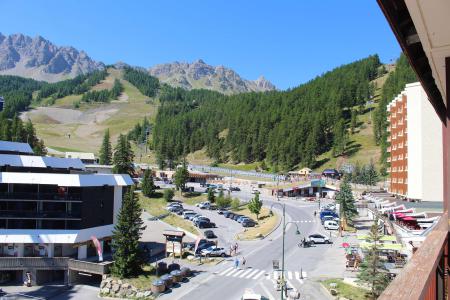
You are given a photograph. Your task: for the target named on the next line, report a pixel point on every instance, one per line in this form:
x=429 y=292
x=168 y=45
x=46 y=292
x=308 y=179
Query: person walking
x=243 y=262
x=236 y=248
x=236 y=263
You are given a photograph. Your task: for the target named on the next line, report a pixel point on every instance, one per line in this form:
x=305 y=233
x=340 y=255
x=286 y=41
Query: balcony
x=388 y=159
x=418 y=278
x=54 y=263
x=90 y=267
x=39 y=196
x=388 y=149
x=20 y=263
x=388 y=170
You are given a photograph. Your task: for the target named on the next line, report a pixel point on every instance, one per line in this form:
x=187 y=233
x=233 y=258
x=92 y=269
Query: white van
x=331 y=225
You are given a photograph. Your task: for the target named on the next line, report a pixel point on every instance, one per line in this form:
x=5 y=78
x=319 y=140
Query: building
x=415 y=148
x=51 y=212
x=2 y=103
x=86 y=158
x=421 y=28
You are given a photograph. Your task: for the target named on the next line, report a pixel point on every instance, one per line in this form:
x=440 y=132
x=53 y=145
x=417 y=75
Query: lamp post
x=283 y=206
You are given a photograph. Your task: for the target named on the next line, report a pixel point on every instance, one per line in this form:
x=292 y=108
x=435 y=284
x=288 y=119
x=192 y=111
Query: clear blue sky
x=288 y=41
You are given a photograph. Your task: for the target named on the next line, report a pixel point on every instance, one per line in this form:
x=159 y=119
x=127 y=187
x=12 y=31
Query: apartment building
x=415 y=149
x=52 y=212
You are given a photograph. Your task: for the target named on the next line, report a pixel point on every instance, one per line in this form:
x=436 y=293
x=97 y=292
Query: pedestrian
x=231 y=250
x=243 y=262
x=315 y=214
x=236 y=248
x=236 y=263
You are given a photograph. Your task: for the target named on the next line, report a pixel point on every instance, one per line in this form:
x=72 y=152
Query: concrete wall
x=425 y=173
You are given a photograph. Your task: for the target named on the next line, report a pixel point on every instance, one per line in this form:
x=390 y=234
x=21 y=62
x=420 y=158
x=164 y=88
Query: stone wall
x=116 y=288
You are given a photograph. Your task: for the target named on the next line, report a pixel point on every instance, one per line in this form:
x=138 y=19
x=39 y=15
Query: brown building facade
x=398 y=149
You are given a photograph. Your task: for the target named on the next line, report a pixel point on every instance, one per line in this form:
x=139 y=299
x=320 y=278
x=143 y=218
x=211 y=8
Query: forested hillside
x=394 y=84
x=284 y=129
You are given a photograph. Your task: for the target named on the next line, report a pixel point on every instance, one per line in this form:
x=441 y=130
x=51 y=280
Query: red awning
x=408 y=219
x=400 y=216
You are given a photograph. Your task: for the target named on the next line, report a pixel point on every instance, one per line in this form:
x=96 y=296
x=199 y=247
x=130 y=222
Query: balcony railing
x=52 y=263
x=40 y=196
x=38 y=215
x=89 y=267
x=19 y=263
x=419 y=277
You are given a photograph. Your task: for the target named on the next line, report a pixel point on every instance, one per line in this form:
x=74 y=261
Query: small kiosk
x=174 y=242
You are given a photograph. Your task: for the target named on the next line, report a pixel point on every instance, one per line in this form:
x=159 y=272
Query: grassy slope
x=88 y=136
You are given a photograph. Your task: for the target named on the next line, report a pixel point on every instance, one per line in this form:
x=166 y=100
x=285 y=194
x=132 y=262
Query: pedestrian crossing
x=255 y=274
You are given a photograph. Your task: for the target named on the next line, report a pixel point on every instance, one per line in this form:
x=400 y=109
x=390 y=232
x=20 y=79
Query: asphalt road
x=225 y=282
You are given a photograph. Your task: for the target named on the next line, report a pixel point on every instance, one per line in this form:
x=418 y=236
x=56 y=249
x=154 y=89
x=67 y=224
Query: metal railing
x=19 y=263
x=418 y=280
x=39 y=214
x=89 y=267
x=39 y=196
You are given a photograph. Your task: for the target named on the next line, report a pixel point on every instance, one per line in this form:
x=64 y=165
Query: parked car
x=175 y=209
x=319 y=239
x=255 y=191
x=234 y=189
x=174 y=204
x=209 y=234
x=248 y=223
x=221 y=211
x=189 y=213
x=329 y=218
x=204 y=224
x=203 y=244
x=331 y=225
x=324 y=213
x=235 y=217
x=204 y=205
x=242 y=218
x=228 y=214
x=200 y=217
x=214 y=251
x=191 y=217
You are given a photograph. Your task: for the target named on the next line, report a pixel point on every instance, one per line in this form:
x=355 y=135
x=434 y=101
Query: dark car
x=204 y=245
x=248 y=223
x=235 y=189
x=221 y=211
x=235 y=217
x=205 y=224
x=228 y=214
x=209 y=234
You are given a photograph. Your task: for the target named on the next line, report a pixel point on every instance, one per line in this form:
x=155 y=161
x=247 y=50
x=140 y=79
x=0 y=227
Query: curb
x=275 y=228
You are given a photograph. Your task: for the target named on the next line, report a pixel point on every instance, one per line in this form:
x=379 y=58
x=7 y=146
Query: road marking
x=259 y=274
x=226 y=271
x=290 y=275
x=275 y=275
x=297 y=276
x=234 y=271
x=304 y=274
x=246 y=273
x=238 y=273
x=252 y=273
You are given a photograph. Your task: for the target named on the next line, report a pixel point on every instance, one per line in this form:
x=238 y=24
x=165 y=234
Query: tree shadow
x=320 y=163
x=350 y=151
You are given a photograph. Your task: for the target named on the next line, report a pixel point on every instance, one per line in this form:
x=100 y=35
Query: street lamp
x=283 y=206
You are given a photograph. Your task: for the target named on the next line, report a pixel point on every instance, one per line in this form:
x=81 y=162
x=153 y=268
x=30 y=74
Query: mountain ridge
x=40 y=59
x=199 y=74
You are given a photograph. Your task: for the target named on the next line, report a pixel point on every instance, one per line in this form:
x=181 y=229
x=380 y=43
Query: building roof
x=16 y=147
x=31 y=161
x=81 y=155
x=81 y=180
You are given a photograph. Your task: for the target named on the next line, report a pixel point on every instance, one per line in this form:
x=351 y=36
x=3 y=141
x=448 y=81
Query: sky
x=287 y=41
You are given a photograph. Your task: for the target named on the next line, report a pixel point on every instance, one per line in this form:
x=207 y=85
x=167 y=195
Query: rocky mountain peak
x=199 y=74
x=38 y=58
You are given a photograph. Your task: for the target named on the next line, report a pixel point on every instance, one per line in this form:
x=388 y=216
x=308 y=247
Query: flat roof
x=15 y=147
x=80 y=155
x=31 y=161
x=78 y=180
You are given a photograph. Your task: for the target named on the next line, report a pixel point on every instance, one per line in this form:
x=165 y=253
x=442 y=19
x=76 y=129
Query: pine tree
x=211 y=196
x=148 y=185
x=372 y=270
x=123 y=156
x=105 y=157
x=181 y=177
x=340 y=138
x=39 y=148
x=17 y=131
x=346 y=203
x=372 y=175
x=126 y=234
x=353 y=121
x=255 y=206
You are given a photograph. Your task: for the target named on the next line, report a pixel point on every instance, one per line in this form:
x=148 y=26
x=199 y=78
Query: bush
x=223 y=202
x=169 y=194
x=235 y=203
